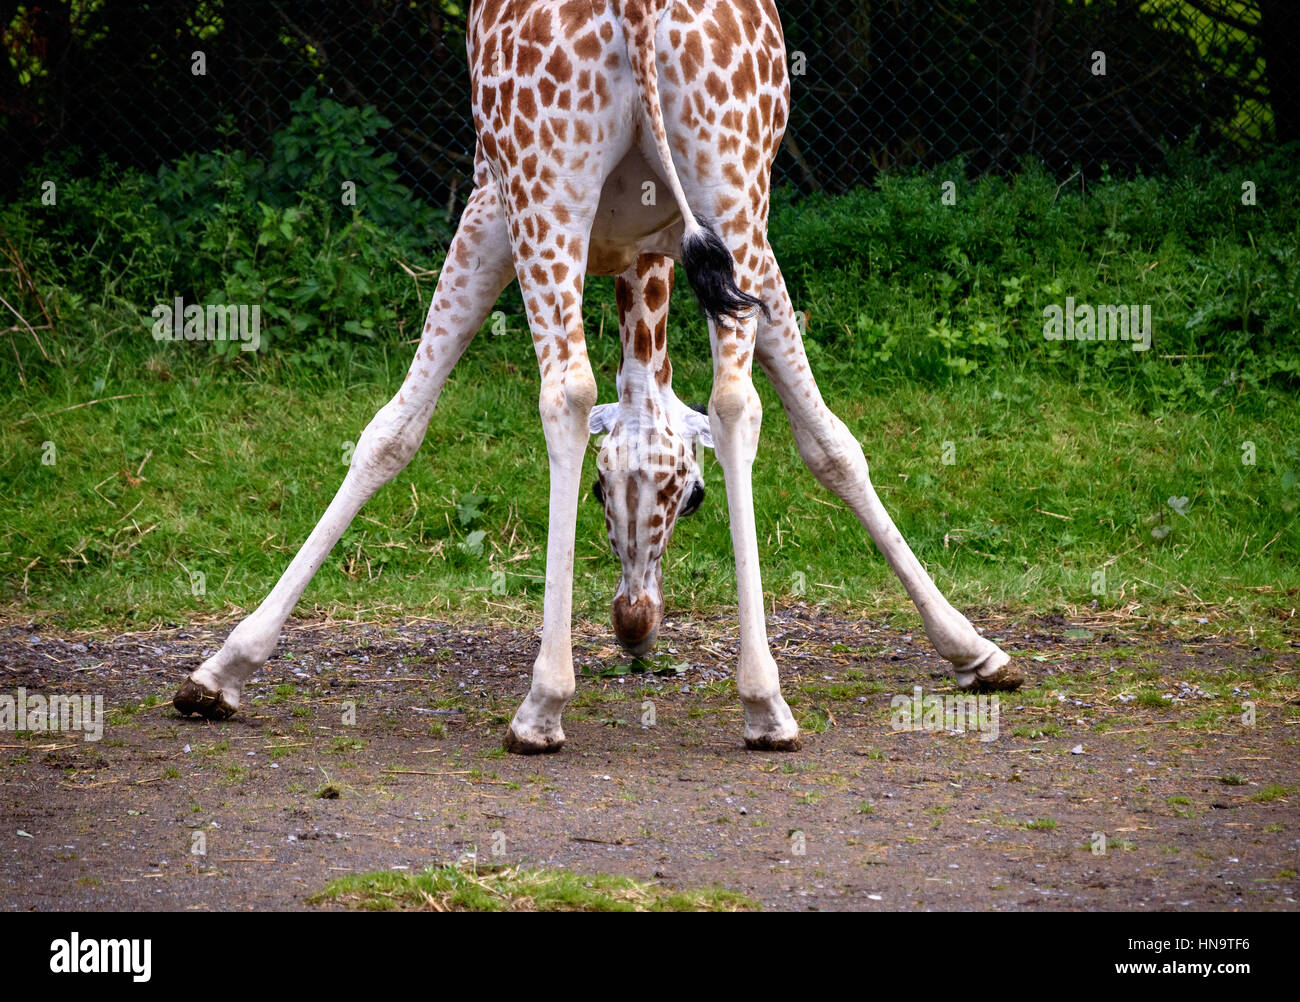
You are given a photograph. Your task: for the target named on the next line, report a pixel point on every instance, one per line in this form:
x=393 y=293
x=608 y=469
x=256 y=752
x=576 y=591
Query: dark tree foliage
x=903 y=82
x=118 y=78
x=885 y=83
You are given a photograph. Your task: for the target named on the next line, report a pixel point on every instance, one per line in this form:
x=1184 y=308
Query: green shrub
x=897 y=284
x=224 y=227
x=900 y=285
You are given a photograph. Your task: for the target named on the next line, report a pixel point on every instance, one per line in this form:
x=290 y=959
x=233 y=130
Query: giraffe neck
x=645 y=384
x=645 y=376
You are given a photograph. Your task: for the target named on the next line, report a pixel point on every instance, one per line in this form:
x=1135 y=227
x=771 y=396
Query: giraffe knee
x=833 y=455
x=736 y=416
x=385 y=447
x=580 y=391
x=570 y=398
x=736 y=404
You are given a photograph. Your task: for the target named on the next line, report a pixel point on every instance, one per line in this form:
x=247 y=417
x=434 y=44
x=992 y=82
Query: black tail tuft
x=712 y=274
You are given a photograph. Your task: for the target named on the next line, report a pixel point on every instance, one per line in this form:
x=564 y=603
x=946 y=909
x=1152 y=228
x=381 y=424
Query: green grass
x=1271 y=793
x=231 y=488
x=183 y=493
x=494 y=889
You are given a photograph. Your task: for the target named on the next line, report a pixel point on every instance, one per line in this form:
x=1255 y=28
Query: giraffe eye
x=694 y=501
x=598 y=492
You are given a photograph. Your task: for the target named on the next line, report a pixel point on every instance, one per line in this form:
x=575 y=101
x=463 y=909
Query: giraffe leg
x=736 y=415
x=477 y=268
x=835 y=458
x=552 y=287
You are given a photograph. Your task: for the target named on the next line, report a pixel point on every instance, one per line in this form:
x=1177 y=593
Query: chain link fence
x=1081 y=85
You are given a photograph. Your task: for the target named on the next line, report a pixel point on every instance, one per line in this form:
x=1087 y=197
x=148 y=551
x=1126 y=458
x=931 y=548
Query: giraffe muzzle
x=636 y=622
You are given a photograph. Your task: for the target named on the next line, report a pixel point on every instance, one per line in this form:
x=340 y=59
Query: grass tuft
x=506 y=888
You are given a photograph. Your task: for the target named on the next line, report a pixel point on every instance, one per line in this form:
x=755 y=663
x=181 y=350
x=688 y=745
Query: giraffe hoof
x=194 y=698
x=1004 y=678
x=767 y=742
x=770 y=726
x=540 y=744
x=993 y=672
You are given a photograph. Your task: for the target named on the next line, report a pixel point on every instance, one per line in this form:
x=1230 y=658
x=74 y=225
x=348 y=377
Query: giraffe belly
x=637 y=215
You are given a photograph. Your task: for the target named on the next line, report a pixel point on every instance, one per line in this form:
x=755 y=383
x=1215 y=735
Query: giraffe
x=572 y=124
x=647 y=471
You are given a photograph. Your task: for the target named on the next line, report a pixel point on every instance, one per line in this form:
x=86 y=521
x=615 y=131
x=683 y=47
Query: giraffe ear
x=602 y=418
x=697 y=427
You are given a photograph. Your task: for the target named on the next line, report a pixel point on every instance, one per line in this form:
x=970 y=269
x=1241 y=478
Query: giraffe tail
x=709 y=265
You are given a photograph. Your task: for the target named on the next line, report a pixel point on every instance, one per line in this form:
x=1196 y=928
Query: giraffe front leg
x=553 y=300
x=836 y=460
x=385 y=447
x=565 y=405
x=536 y=725
x=477 y=268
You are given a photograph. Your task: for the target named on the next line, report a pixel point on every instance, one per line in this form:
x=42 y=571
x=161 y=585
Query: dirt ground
x=1144 y=741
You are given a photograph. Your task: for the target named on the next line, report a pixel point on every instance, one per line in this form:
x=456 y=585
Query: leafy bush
x=898 y=282
x=325 y=147
x=226 y=228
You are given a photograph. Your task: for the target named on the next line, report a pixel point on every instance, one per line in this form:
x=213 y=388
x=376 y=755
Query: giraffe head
x=648 y=476
x=648 y=472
